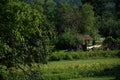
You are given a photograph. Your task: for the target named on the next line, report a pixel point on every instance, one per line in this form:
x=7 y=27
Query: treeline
x=31 y=29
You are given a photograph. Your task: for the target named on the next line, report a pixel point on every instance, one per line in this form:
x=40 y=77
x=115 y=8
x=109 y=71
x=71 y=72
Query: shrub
x=62 y=55
x=3 y=72
x=109 y=42
x=68 y=56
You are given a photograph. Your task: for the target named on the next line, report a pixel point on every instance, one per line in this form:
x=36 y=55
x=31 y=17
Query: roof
x=87 y=37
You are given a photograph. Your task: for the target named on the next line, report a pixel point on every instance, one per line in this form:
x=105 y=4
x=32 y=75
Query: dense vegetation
x=31 y=29
x=62 y=55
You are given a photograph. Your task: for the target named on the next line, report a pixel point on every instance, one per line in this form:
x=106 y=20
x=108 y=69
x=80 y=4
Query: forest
x=35 y=32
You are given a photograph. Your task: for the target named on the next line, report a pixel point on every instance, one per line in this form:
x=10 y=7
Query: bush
x=18 y=74
x=109 y=42
x=62 y=55
x=3 y=72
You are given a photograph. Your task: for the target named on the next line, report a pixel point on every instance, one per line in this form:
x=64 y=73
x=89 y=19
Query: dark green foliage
x=3 y=72
x=101 y=6
x=118 y=8
x=68 y=40
x=109 y=26
x=118 y=43
x=22 y=35
x=89 y=20
x=24 y=39
x=111 y=43
x=13 y=74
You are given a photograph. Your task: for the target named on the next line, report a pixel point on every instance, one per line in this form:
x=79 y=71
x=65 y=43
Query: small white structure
x=94 y=46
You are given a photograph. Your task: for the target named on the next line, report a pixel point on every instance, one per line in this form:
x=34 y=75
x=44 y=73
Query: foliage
x=111 y=43
x=88 y=20
x=109 y=26
x=23 y=38
x=3 y=72
x=29 y=29
x=68 y=40
x=62 y=55
x=67 y=17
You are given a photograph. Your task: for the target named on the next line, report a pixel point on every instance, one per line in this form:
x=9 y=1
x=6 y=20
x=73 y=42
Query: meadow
x=89 y=66
x=102 y=66
x=65 y=70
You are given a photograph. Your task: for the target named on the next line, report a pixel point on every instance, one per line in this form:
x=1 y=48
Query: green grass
x=101 y=65
x=87 y=61
x=87 y=69
x=91 y=78
x=57 y=70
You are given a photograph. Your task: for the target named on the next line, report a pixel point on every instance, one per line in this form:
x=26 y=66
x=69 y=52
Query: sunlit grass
x=87 y=61
x=81 y=68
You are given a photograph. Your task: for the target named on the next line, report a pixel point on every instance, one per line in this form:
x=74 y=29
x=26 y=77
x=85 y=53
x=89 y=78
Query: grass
x=84 y=68
x=64 y=70
x=91 y=78
x=87 y=61
x=87 y=69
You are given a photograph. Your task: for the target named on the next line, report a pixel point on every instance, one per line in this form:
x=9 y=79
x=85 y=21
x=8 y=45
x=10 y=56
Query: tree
x=97 y=4
x=109 y=25
x=118 y=9
x=69 y=40
x=68 y=18
x=50 y=20
x=89 y=20
x=22 y=34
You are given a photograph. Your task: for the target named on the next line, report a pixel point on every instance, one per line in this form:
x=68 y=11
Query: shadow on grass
x=113 y=72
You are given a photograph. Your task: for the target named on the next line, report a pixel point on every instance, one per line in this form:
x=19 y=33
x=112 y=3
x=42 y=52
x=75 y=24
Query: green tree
x=22 y=34
x=89 y=20
x=97 y=4
x=50 y=21
x=68 y=17
x=107 y=23
x=68 y=40
x=68 y=21
x=118 y=9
